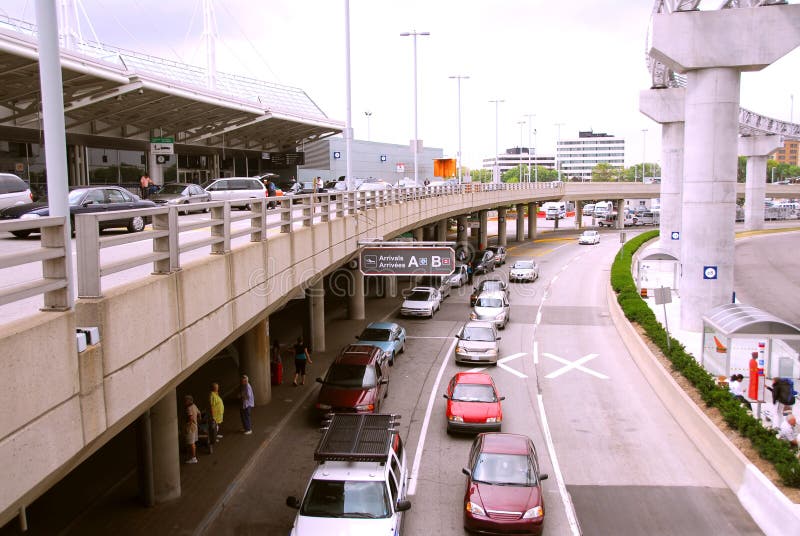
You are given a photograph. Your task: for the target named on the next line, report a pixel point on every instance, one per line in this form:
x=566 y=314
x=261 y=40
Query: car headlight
x=494 y=419
x=491 y=351
x=459 y=350
x=533 y=513
x=500 y=316
x=173 y=201
x=323 y=406
x=476 y=509
x=29 y=217
x=366 y=407
x=456 y=418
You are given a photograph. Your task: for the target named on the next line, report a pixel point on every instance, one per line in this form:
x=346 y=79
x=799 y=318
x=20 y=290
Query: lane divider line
x=412 y=486
x=535 y=352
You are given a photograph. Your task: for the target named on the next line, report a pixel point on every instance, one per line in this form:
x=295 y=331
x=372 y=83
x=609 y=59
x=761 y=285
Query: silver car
x=178 y=193
x=477 y=343
x=459 y=277
x=422 y=301
x=492 y=307
x=13 y=191
x=526 y=270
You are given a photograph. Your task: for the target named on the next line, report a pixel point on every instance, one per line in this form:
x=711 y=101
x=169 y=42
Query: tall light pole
x=521 y=124
x=530 y=124
x=459 y=78
x=414 y=34
x=369 y=116
x=558 y=140
x=348 y=125
x=644 y=151
x=496 y=136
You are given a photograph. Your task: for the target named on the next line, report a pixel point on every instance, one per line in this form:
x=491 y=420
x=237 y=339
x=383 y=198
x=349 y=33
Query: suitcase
x=277 y=372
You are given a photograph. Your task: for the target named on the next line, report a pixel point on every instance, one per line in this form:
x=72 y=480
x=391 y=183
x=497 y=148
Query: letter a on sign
x=412 y=261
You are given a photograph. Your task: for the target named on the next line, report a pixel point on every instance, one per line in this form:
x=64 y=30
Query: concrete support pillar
x=620 y=204
x=253 y=347
x=419 y=234
x=441 y=231
x=316 y=314
x=483 y=236
x=462 y=236
x=757 y=149
x=355 y=305
x=155 y=169
x=533 y=208
x=165 y=429
x=390 y=286
x=578 y=214
x=502 y=239
x=144 y=458
x=520 y=222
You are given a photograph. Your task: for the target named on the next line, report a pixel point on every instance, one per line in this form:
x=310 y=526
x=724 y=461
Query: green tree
x=481 y=175
x=605 y=172
x=741 y=170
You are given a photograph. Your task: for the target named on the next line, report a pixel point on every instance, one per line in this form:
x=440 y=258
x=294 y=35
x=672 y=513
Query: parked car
x=179 y=193
x=289 y=187
x=13 y=191
x=84 y=201
x=484 y=262
x=487 y=285
x=524 y=270
x=477 y=343
x=473 y=404
x=236 y=188
x=439 y=282
x=589 y=237
x=503 y=489
x=422 y=301
x=499 y=254
x=388 y=336
x=356 y=382
x=492 y=307
x=459 y=276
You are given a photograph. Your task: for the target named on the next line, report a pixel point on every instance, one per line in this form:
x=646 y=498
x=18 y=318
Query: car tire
x=21 y=234
x=403 y=348
x=136 y=224
x=391 y=360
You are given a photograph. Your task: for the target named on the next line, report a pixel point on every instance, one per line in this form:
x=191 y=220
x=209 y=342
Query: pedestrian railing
x=171 y=238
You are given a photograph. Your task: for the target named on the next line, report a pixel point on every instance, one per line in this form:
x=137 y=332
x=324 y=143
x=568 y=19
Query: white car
x=589 y=237
x=373 y=185
x=459 y=276
x=13 y=191
x=492 y=307
x=234 y=188
x=526 y=270
x=422 y=301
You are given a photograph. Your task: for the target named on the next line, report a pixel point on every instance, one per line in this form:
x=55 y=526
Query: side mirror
x=403 y=505
x=87 y=203
x=498 y=338
x=319 y=380
x=445 y=396
x=501 y=398
x=466 y=471
x=543 y=476
x=294 y=502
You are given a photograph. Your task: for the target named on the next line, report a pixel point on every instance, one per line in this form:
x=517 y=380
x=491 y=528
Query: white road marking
x=412 y=486
x=555 y=278
x=538 y=317
x=502 y=365
x=535 y=353
x=569 y=508
x=577 y=364
x=420 y=337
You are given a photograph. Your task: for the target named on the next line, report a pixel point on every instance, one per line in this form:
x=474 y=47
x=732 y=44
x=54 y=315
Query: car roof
x=504 y=443
x=492 y=294
x=478 y=324
x=473 y=377
x=358 y=354
x=381 y=325
x=483 y=283
x=428 y=289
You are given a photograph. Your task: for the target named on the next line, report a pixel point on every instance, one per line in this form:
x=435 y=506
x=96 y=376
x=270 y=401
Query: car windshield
x=172 y=189
x=489 y=302
x=307 y=185
x=351 y=376
x=419 y=295
x=504 y=469
x=75 y=196
x=491 y=285
x=346 y=498
x=523 y=265
x=376 y=334
x=473 y=392
x=477 y=334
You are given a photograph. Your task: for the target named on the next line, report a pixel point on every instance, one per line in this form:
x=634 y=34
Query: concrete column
x=156 y=170
x=620 y=213
x=390 y=286
x=419 y=235
x=578 y=214
x=533 y=208
x=520 y=222
x=144 y=458
x=441 y=231
x=502 y=238
x=165 y=431
x=757 y=149
x=355 y=304
x=316 y=313
x=483 y=236
x=253 y=347
x=462 y=236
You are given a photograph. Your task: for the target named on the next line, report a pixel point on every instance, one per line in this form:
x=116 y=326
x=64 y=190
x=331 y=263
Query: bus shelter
x=656 y=267
x=733 y=331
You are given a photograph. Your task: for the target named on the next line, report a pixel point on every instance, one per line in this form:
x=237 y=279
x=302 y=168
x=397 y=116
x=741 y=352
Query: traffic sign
x=709 y=272
x=407 y=261
x=676 y=235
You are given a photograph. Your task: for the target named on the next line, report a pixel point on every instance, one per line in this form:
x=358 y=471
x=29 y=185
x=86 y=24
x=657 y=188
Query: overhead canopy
x=657 y=254
x=744 y=320
x=115 y=93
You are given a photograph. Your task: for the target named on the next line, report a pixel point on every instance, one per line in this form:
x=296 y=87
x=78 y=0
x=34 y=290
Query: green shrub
x=772 y=449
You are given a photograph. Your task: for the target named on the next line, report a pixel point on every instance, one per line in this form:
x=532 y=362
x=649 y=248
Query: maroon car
x=504 y=493
x=356 y=382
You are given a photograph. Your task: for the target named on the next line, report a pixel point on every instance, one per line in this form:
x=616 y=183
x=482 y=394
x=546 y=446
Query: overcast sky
x=579 y=62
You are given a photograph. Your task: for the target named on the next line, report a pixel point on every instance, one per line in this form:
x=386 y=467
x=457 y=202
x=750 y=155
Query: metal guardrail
x=166 y=233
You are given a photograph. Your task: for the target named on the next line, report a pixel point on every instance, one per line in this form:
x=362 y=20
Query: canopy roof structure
x=118 y=93
x=657 y=254
x=735 y=319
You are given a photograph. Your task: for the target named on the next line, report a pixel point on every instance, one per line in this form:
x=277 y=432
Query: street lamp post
x=369 y=116
x=521 y=124
x=644 y=152
x=459 y=78
x=530 y=123
x=414 y=34
x=558 y=140
x=496 y=136
x=348 y=126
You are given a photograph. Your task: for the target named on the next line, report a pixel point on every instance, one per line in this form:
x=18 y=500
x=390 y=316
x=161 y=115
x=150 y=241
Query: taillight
x=30 y=194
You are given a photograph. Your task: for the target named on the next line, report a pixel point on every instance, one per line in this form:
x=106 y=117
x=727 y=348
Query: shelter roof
x=745 y=320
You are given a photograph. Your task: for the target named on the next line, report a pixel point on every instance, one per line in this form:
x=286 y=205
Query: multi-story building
x=789 y=154
x=515 y=156
x=577 y=157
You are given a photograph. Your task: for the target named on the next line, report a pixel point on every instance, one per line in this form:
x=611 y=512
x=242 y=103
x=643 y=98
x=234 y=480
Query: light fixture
x=383 y=158
x=337 y=154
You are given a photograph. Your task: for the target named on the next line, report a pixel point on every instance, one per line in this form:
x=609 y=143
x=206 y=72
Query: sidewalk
x=206 y=485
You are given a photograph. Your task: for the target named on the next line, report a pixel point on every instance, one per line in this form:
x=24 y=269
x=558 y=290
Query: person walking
x=217 y=410
x=301 y=357
x=144 y=186
x=190 y=428
x=248 y=401
x=276 y=364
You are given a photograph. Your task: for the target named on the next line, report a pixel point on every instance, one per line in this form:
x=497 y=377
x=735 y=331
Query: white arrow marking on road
x=569 y=365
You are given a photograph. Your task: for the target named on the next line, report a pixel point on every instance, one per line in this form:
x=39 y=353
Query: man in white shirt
x=787 y=430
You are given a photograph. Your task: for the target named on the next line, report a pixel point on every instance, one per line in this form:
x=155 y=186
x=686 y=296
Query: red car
x=504 y=493
x=473 y=404
x=356 y=382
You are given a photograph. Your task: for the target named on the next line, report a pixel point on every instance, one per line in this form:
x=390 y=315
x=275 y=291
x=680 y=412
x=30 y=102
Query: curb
x=769 y=508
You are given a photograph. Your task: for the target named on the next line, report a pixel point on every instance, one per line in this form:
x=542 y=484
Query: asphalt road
x=618 y=462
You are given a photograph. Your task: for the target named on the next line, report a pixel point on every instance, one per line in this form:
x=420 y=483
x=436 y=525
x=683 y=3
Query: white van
x=603 y=209
x=555 y=210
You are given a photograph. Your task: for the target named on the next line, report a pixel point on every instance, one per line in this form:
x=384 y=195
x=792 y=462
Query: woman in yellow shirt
x=217 y=409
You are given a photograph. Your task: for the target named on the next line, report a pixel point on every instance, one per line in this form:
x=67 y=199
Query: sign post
x=663 y=296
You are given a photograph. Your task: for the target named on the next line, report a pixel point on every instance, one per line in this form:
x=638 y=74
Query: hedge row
x=774 y=450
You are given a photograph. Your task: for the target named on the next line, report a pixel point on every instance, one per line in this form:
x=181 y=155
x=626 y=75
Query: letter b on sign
x=436 y=261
